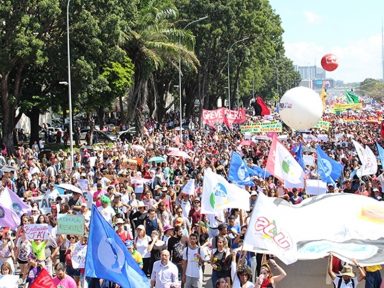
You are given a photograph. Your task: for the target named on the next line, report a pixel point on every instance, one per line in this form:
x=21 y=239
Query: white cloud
x=358 y=60
x=312 y=17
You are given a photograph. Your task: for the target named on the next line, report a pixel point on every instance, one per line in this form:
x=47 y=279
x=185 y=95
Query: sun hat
x=104 y=199
x=119 y=221
x=347 y=271
x=129 y=244
x=141 y=227
x=167 y=228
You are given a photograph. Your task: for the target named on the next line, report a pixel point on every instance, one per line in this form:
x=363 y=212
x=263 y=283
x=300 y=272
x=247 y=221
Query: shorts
x=73 y=272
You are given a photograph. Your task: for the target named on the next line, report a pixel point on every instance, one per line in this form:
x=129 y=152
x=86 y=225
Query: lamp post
x=229 y=81
x=69 y=88
x=180 y=90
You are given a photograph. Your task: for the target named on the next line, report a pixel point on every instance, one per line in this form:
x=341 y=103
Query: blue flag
x=239 y=171
x=328 y=169
x=380 y=150
x=259 y=172
x=108 y=258
x=299 y=155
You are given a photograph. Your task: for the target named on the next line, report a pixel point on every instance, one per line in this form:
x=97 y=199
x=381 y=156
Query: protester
x=164 y=272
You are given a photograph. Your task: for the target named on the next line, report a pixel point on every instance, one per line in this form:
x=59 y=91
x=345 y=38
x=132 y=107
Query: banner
x=78 y=256
x=339 y=107
x=262 y=127
x=323 y=125
x=223 y=116
x=356 y=233
x=36 y=231
x=70 y=224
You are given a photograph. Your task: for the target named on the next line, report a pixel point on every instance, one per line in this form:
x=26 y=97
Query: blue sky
x=349 y=29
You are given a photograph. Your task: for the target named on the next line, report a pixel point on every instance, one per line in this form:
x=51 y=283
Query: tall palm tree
x=153 y=40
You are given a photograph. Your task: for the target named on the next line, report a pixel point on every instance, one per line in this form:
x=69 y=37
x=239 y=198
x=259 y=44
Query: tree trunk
x=8 y=112
x=101 y=117
x=122 y=113
x=34 y=119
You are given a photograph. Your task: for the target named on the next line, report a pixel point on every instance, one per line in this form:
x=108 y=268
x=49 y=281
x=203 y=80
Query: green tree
x=372 y=88
x=26 y=25
x=152 y=42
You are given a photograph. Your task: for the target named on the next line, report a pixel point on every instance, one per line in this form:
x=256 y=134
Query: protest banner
x=78 y=256
x=70 y=224
x=323 y=125
x=44 y=203
x=88 y=196
x=340 y=107
x=83 y=183
x=36 y=231
x=268 y=127
x=223 y=116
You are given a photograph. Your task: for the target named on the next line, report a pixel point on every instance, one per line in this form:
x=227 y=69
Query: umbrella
x=138 y=148
x=7 y=169
x=157 y=159
x=179 y=153
x=70 y=187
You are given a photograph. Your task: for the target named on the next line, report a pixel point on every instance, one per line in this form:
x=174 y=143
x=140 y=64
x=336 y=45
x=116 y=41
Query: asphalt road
x=300 y=274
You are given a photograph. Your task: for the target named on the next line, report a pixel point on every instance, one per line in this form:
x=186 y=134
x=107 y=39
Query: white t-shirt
x=142 y=246
x=345 y=285
x=193 y=267
x=107 y=213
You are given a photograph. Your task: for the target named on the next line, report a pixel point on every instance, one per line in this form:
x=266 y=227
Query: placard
x=78 y=256
x=9 y=281
x=262 y=127
x=70 y=224
x=36 y=231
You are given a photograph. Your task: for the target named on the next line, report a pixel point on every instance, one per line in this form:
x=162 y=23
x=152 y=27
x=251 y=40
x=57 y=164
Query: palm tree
x=152 y=41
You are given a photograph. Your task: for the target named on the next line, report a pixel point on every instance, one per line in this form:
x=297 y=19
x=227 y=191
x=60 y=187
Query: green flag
x=351 y=97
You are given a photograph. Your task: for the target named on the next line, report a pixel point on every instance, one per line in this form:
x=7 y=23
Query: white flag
x=219 y=194
x=267 y=232
x=189 y=188
x=283 y=165
x=367 y=158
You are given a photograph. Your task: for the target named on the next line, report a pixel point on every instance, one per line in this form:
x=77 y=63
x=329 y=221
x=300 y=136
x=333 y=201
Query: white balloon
x=300 y=108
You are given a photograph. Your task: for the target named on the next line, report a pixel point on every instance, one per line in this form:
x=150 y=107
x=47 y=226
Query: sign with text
x=323 y=125
x=262 y=127
x=70 y=224
x=223 y=116
x=36 y=231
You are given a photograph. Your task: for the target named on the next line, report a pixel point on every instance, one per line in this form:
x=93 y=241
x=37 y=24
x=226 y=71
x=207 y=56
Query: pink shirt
x=67 y=282
x=97 y=194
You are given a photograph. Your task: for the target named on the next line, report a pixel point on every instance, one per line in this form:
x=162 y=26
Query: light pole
x=180 y=90
x=69 y=88
x=229 y=81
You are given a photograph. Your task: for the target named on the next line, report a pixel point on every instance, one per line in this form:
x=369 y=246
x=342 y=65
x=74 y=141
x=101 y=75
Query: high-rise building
x=311 y=72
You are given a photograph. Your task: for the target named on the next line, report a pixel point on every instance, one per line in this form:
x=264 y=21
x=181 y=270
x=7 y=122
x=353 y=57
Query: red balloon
x=329 y=62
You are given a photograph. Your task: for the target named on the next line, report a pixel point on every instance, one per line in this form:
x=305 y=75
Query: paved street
x=300 y=274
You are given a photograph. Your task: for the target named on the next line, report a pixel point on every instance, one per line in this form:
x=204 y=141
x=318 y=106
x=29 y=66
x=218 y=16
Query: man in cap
x=346 y=278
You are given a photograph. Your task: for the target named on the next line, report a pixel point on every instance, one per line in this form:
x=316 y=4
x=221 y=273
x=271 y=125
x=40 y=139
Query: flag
x=239 y=171
x=43 y=280
x=267 y=232
x=10 y=199
x=351 y=97
x=360 y=151
x=380 y=150
x=299 y=155
x=259 y=172
x=367 y=159
x=282 y=165
x=219 y=194
x=370 y=165
x=264 y=108
x=189 y=188
x=108 y=258
x=273 y=228
x=328 y=169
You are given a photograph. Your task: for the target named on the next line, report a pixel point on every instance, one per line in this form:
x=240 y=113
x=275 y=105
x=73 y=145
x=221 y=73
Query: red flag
x=264 y=108
x=382 y=130
x=43 y=280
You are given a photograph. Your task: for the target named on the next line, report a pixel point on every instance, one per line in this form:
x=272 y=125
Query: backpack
x=341 y=281
x=198 y=252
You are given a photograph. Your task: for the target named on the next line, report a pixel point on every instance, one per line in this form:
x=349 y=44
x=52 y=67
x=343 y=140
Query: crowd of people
x=162 y=226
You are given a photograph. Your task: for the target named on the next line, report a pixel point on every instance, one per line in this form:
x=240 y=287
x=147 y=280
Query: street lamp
x=180 y=89
x=69 y=88
x=229 y=81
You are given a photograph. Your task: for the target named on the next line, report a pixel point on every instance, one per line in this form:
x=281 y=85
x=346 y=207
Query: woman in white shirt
x=241 y=276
